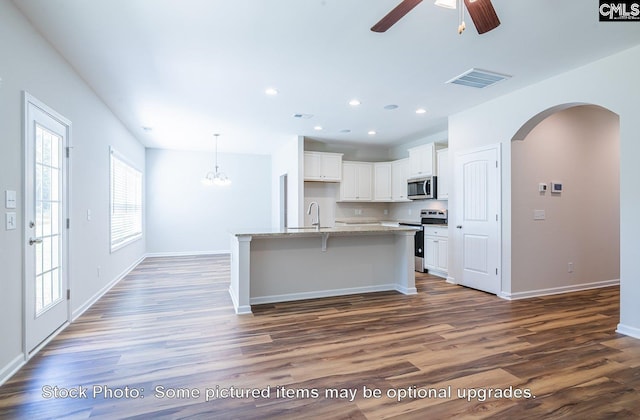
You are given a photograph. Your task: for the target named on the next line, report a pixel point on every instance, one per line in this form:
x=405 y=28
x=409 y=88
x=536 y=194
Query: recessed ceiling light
x=147 y=129
x=421 y=111
x=390 y=107
x=372 y=132
x=303 y=116
x=271 y=91
x=354 y=102
x=318 y=128
x=345 y=131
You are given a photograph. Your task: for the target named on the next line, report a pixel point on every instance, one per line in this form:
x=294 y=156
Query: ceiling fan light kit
x=447 y=4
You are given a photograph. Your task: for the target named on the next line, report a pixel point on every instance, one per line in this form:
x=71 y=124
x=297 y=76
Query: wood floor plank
x=169 y=327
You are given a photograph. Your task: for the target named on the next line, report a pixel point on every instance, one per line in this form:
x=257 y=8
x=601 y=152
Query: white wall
x=29 y=63
x=607 y=83
x=288 y=159
x=580 y=147
x=185 y=217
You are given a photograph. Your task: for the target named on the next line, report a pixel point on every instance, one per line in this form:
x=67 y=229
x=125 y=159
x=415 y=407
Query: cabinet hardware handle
x=35 y=241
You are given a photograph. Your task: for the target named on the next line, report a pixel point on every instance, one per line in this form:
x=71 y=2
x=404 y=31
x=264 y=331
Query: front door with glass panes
x=46 y=307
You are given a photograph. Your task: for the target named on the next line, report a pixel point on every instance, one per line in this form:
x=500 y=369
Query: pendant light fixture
x=216 y=177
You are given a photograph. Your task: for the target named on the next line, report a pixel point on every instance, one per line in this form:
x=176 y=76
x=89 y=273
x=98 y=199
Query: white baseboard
x=104 y=290
x=406 y=290
x=451 y=280
x=11 y=368
x=628 y=330
x=240 y=310
x=186 y=253
x=437 y=273
x=558 y=290
x=321 y=294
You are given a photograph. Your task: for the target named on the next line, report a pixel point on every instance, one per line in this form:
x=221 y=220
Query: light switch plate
x=539 y=215
x=11 y=221
x=10 y=199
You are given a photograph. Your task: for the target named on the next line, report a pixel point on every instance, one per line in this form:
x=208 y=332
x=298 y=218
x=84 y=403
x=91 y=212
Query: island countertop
x=312 y=231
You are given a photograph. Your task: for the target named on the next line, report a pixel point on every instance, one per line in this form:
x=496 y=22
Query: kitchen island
x=270 y=266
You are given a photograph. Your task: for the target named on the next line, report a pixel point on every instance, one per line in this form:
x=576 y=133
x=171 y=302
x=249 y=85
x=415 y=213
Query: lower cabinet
x=436 y=250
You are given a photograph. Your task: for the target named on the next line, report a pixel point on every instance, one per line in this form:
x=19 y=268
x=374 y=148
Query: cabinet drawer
x=441 y=232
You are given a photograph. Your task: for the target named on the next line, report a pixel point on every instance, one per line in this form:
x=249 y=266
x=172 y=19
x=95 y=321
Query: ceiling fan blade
x=395 y=15
x=482 y=14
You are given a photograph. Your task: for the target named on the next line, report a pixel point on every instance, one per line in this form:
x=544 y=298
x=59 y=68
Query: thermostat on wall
x=556 y=187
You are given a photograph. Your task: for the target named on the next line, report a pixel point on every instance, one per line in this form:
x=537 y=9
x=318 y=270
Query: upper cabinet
x=443 y=174
x=399 y=175
x=422 y=160
x=321 y=166
x=382 y=181
x=356 y=181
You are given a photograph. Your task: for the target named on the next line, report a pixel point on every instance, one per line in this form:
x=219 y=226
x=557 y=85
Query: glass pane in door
x=48 y=221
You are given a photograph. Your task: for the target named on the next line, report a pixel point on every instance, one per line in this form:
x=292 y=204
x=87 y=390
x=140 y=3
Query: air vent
x=478 y=78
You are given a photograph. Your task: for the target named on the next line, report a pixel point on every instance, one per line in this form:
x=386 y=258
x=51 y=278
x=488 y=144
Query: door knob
x=459 y=227
x=35 y=241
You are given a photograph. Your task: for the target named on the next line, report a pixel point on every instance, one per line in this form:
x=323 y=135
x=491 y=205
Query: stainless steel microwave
x=422 y=188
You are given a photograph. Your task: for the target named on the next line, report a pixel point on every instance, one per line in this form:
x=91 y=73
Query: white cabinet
x=443 y=174
x=382 y=181
x=356 y=182
x=422 y=160
x=436 y=250
x=321 y=166
x=399 y=175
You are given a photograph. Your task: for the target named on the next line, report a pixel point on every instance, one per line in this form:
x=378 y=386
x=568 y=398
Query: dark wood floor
x=166 y=336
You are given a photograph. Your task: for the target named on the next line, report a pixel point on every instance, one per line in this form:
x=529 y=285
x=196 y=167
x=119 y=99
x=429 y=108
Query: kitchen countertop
x=311 y=231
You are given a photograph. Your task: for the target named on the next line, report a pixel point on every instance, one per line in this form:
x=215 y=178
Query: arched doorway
x=569 y=240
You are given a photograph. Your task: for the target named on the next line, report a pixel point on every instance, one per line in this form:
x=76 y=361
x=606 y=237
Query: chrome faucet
x=317 y=222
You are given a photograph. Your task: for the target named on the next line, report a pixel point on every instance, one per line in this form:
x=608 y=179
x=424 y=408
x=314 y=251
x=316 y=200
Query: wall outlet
x=358 y=212
x=386 y=212
x=409 y=212
x=98 y=271
x=570 y=267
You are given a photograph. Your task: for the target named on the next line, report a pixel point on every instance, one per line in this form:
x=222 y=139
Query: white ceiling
x=191 y=68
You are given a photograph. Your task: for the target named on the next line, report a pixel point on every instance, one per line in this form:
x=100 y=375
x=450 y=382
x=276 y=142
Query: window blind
x=126 y=203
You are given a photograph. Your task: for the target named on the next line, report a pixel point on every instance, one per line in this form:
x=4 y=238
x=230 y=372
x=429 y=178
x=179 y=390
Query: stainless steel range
x=428 y=217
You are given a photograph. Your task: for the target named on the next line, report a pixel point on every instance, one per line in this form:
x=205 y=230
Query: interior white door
x=46 y=306
x=478 y=217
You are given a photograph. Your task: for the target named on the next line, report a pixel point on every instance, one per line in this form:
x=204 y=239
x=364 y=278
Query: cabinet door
x=421 y=160
x=399 y=175
x=348 y=185
x=443 y=255
x=364 y=180
x=430 y=252
x=311 y=166
x=382 y=181
x=331 y=167
x=443 y=174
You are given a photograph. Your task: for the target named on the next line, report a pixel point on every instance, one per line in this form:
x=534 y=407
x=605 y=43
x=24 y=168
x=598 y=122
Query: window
x=126 y=202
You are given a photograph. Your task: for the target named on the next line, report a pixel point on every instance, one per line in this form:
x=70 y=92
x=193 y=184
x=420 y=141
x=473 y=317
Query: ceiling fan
x=482 y=14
